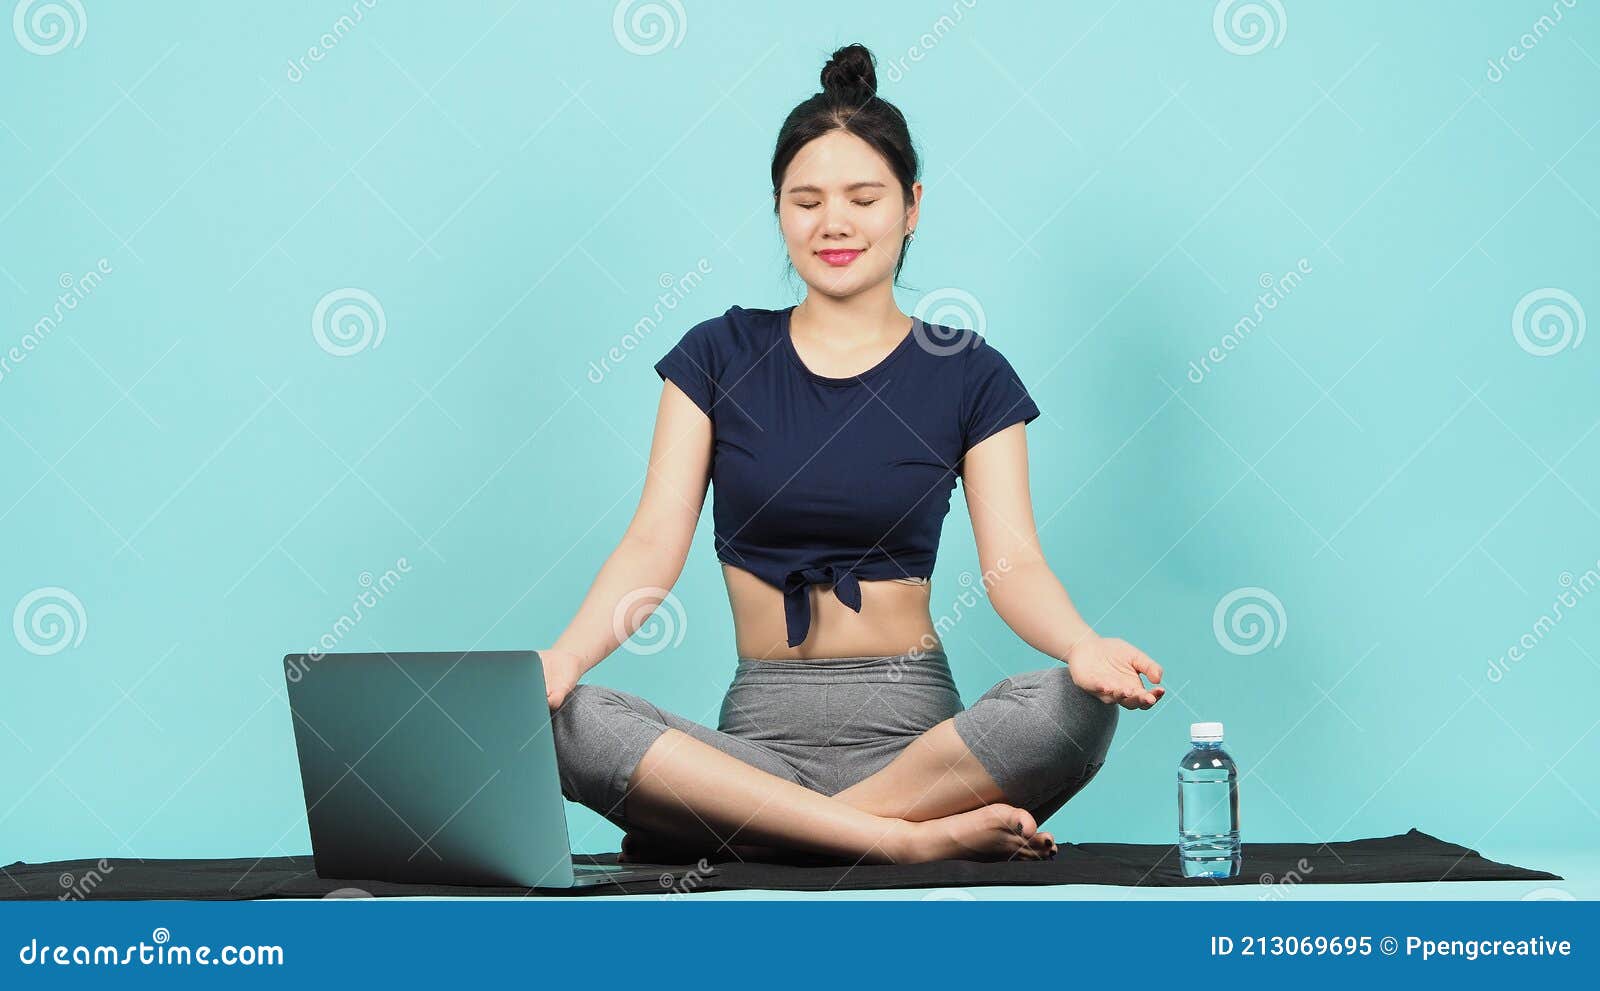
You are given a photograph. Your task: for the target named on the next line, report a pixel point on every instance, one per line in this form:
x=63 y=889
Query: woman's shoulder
x=754 y=321
x=961 y=352
x=982 y=357
x=714 y=343
x=736 y=328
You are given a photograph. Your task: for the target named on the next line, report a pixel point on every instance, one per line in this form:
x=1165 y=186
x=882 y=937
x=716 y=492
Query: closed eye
x=807 y=206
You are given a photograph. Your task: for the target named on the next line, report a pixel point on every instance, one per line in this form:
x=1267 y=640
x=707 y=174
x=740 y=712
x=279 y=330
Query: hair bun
x=849 y=76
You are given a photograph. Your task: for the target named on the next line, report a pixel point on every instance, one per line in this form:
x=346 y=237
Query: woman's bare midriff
x=894 y=619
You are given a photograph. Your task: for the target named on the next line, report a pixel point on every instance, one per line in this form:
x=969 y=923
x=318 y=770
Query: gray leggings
x=828 y=723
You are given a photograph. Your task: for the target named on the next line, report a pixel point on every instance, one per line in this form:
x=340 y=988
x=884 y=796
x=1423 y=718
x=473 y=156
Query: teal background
x=1106 y=180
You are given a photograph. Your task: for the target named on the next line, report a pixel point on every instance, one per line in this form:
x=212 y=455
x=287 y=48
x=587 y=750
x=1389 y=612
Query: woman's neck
x=858 y=321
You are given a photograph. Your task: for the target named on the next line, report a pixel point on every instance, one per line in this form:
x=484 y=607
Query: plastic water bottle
x=1208 y=806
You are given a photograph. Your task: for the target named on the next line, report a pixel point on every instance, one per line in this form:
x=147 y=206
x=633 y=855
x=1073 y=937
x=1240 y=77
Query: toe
x=1026 y=826
x=1027 y=852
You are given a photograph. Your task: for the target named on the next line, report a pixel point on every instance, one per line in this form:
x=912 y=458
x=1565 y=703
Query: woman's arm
x=1025 y=592
x=651 y=553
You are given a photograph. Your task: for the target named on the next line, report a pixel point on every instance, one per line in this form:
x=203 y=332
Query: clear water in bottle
x=1208 y=806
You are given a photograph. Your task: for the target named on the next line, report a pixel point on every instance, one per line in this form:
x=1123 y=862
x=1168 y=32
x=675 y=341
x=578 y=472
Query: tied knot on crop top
x=826 y=481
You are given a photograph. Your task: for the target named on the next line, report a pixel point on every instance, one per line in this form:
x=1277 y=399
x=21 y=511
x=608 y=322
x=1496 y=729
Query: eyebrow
x=850 y=188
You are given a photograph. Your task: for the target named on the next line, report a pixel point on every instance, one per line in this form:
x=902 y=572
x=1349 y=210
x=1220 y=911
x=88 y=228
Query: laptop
x=433 y=768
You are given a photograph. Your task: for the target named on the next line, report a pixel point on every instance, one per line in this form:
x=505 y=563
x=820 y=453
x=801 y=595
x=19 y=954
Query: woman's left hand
x=1109 y=669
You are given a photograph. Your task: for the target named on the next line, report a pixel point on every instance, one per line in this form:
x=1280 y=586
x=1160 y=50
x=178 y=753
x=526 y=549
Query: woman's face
x=838 y=196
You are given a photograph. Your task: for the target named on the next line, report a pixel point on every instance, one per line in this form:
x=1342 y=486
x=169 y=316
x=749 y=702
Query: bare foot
x=993 y=832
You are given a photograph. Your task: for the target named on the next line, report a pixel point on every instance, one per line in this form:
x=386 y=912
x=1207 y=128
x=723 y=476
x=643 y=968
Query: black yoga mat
x=1412 y=856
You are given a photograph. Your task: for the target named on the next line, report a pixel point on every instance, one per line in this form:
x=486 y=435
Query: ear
x=915 y=210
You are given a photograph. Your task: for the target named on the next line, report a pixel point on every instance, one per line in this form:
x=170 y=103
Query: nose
x=835 y=223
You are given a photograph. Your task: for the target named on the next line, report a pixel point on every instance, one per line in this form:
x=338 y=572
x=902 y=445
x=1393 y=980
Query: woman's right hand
x=561 y=671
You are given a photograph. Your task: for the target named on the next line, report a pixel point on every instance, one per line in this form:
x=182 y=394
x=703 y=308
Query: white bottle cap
x=1205 y=732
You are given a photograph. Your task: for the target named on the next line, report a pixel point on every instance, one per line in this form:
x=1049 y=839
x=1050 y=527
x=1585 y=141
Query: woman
x=835 y=431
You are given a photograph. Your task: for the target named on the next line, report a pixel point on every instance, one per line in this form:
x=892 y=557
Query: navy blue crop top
x=820 y=480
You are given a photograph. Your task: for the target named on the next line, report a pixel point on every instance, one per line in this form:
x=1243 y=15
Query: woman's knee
x=1084 y=710
x=1056 y=736
x=591 y=728
x=583 y=710
x=1083 y=724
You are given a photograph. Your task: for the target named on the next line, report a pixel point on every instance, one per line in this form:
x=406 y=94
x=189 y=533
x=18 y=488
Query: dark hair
x=849 y=101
